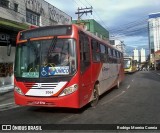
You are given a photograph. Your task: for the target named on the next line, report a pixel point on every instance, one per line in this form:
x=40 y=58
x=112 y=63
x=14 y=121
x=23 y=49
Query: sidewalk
x=6 y=99
x=6 y=88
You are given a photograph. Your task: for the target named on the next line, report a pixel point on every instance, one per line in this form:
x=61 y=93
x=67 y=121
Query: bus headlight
x=69 y=90
x=18 y=90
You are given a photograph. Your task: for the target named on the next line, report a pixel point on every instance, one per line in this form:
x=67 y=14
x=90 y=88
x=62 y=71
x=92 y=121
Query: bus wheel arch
x=95 y=95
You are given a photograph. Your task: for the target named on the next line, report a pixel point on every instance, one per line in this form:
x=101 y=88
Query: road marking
x=7 y=104
x=113 y=98
x=128 y=87
x=8 y=108
x=158 y=73
x=132 y=80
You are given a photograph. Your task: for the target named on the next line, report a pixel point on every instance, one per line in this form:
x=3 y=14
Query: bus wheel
x=95 y=99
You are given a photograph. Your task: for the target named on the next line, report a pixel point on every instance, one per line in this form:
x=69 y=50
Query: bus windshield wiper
x=52 y=45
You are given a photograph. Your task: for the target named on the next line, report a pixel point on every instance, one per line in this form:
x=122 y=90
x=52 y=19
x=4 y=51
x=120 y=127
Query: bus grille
x=41 y=85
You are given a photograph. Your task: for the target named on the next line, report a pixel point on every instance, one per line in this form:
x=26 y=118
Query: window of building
x=4 y=3
x=15 y=7
x=32 y=18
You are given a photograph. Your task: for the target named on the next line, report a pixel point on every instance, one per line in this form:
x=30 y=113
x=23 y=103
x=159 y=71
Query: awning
x=12 y=25
x=11 y=28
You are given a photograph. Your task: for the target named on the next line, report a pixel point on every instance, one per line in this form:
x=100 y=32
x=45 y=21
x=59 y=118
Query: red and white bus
x=64 y=66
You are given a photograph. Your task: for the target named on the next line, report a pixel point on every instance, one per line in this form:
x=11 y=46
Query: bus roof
x=97 y=38
x=58 y=30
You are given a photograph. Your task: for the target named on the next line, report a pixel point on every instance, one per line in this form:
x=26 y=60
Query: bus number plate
x=49 y=92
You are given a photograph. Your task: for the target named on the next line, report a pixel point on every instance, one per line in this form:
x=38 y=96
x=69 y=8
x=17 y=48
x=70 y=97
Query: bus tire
x=95 y=94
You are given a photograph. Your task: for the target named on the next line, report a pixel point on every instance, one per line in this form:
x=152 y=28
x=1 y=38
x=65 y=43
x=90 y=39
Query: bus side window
x=109 y=55
x=106 y=54
x=103 y=53
x=95 y=51
x=115 y=56
x=84 y=52
x=118 y=55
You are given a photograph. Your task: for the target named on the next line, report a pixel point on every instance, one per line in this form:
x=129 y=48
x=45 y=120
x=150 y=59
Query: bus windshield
x=45 y=58
x=127 y=63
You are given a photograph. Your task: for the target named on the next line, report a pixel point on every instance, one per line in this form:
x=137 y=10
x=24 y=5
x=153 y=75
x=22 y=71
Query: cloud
x=138 y=40
x=127 y=20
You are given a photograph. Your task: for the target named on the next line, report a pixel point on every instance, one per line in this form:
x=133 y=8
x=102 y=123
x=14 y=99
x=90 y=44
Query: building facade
x=154 y=34
x=139 y=55
x=35 y=12
x=143 y=55
x=118 y=44
x=136 y=55
x=16 y=15
x=94 y=27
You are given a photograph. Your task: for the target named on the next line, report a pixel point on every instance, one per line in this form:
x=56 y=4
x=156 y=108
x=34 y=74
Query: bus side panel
x=85 y=86
x=121 y=73
x=88 y=79
x=96 y=72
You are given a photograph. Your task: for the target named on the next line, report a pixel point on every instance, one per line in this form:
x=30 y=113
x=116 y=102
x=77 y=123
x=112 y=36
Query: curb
x=7 y=88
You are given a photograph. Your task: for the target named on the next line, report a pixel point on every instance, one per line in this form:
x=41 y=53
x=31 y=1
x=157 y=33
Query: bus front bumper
x=69 y=101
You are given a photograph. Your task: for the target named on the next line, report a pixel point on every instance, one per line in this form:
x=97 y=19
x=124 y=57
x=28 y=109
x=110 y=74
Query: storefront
x=16 y=15
x=8 y=33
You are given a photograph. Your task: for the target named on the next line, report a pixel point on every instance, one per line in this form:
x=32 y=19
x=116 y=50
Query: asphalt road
x=136 y=102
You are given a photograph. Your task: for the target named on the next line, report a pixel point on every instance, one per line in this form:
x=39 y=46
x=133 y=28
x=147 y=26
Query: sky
x=126 y=20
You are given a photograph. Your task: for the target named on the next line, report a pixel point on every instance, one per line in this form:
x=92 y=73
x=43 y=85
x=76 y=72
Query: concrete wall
x=49 y=14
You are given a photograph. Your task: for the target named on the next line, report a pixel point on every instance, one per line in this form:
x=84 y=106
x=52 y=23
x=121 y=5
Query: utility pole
x=82 y=11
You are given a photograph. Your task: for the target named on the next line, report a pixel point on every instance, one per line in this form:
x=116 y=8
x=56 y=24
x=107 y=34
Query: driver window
x=84 y=52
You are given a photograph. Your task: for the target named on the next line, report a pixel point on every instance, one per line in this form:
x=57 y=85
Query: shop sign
x=5 y=38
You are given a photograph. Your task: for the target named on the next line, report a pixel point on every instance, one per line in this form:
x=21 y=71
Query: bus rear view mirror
x=9 y=49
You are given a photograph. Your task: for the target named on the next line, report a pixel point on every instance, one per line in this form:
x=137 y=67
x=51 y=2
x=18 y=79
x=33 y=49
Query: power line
x=122 y=31
x=130 y=24
x=127 y=29
x=98 y=16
